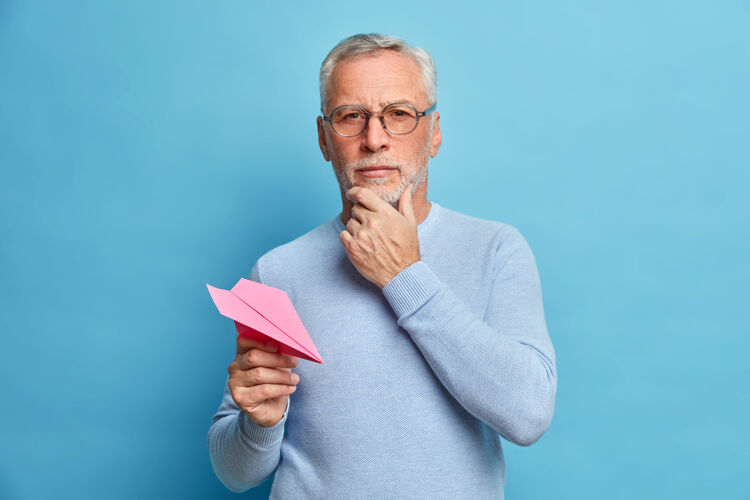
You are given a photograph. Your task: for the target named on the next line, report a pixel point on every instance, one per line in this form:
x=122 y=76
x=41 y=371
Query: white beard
x=345 y=174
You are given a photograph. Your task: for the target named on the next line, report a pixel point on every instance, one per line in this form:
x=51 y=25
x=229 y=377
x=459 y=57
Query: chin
x=385 y=187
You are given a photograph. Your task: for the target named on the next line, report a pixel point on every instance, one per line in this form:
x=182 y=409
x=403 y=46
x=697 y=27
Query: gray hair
x=367 y=45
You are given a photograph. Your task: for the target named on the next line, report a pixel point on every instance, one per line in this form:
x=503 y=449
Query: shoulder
x=471 y=228
x=459 y=219
x=299 y=255
x=502 y=239
x=316 y=239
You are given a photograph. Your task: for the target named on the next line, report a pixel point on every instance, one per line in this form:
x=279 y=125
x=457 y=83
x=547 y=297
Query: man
x=430 y=322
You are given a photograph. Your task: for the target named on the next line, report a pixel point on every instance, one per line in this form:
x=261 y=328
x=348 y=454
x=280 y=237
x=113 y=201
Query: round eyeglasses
x=398 y=118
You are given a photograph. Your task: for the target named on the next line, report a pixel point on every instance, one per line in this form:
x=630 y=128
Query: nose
x=375 y=137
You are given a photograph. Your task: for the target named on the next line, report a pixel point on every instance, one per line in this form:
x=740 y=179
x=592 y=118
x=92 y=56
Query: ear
x=322 y=139
x=437 y=138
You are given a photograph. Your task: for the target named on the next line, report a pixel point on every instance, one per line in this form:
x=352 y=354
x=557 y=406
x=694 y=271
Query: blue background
x=150 y=147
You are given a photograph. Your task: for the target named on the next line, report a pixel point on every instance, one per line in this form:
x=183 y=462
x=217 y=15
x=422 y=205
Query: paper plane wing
x=265 y=313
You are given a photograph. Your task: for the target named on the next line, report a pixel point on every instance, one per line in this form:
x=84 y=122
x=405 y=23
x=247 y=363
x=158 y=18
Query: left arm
x=501 y=368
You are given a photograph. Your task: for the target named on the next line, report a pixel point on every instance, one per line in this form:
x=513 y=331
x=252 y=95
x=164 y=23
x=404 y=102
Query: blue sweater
x=419 y=380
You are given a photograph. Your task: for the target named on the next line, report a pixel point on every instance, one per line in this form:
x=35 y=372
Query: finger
x=360 y=213
x=353 y=226
x=251 y=396
x=265 y=375
x=258 y=357
x=245 y=343
x=260 y=393
x=367 y=198
x=405 y=204
x=346 y=238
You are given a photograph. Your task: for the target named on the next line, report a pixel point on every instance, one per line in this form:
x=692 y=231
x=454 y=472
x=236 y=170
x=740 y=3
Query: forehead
x=374 y=81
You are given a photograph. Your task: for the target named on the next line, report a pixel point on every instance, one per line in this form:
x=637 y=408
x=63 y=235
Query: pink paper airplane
x=266 y=314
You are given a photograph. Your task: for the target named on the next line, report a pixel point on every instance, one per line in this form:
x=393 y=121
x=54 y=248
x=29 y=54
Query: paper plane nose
x=265 y=311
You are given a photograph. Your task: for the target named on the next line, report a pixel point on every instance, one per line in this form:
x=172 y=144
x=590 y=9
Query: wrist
x=392 y=276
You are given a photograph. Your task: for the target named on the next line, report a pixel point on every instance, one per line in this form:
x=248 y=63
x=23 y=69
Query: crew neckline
x=421 y=228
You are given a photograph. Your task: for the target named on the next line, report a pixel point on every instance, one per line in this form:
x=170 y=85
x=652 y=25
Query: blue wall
x=148 y=148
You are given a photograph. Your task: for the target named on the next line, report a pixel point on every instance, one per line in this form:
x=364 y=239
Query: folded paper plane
x=266 y=314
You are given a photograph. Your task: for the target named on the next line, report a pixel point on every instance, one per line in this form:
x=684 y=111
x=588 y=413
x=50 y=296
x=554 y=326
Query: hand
x=379 y=240
x=261 y=381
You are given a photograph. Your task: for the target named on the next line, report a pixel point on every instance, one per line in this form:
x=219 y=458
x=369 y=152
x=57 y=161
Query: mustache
x=374 y=160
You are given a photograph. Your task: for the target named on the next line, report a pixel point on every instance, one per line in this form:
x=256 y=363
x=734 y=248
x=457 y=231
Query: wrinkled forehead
x=375 y=81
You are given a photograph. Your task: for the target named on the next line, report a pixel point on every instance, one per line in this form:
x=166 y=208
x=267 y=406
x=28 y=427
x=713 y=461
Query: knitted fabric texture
x=420 y=380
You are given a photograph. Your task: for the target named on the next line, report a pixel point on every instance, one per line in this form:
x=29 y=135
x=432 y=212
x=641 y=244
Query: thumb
x=405 y=206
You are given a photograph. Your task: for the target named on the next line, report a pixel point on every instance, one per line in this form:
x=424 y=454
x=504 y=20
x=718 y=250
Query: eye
x=348 y=115
x=399 y=114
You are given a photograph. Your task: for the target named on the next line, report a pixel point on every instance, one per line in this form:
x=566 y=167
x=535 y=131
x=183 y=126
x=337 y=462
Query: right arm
x=244 y=439
x=243 y=453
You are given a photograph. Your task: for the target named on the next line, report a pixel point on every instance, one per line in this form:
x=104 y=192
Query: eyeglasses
x=398 y=118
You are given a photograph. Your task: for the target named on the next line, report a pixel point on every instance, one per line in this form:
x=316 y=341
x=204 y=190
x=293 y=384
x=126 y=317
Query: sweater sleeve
x=501 y=368
x=243 y=453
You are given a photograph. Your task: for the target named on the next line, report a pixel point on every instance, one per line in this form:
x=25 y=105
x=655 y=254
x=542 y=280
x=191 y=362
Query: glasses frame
x=368 y=114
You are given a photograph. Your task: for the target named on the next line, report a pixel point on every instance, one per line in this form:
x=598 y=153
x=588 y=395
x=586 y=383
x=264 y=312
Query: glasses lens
x=348 y=120
x=400 y=118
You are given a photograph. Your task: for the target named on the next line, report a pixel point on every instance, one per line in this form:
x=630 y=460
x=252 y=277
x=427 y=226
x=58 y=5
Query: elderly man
x=430 y=322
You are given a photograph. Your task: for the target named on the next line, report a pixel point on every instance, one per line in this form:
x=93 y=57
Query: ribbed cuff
x=411 y=288
x=260 y=435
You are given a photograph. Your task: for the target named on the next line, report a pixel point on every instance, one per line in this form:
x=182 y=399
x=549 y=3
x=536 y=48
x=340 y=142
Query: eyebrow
x=382 y=104
x=385 y=104
x=407 y=101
